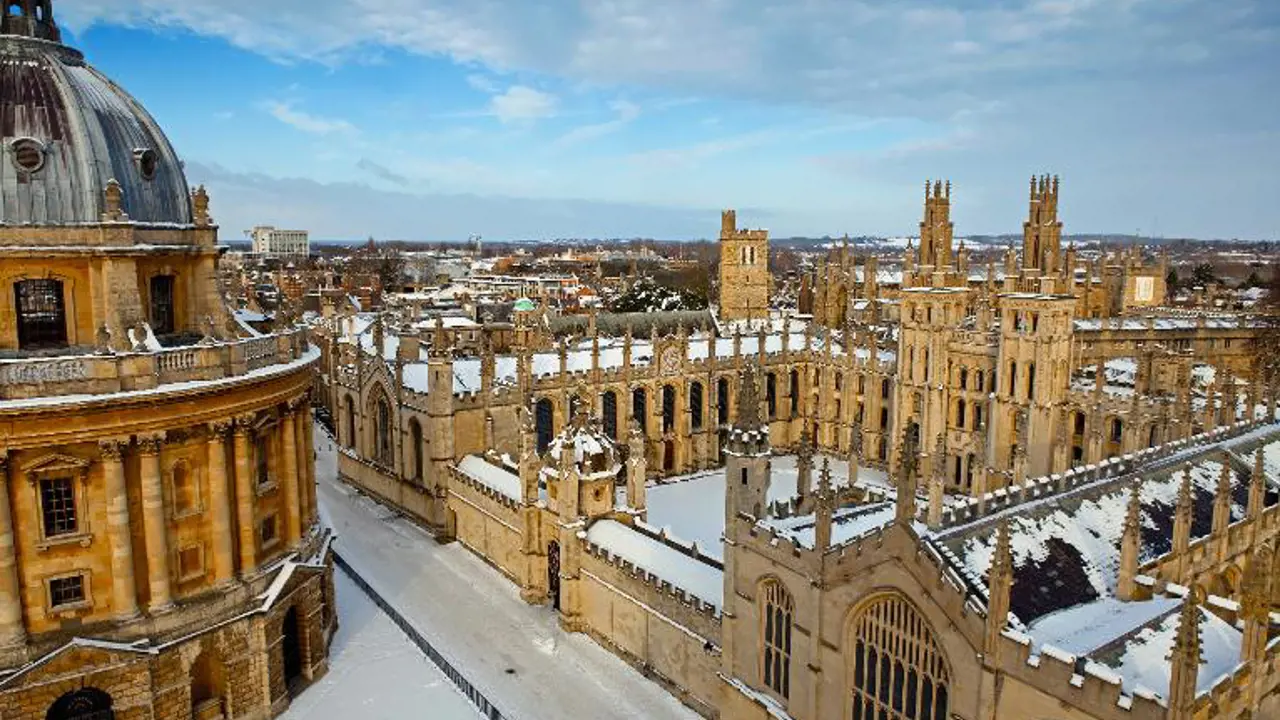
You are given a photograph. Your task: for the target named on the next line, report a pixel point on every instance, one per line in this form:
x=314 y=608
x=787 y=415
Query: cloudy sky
x=435 y=119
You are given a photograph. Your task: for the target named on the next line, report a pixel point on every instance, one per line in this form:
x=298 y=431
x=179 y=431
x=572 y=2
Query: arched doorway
x=553 y=573
x=207 y=685
x=669 y=456
x=291 y=647
x=85 y=704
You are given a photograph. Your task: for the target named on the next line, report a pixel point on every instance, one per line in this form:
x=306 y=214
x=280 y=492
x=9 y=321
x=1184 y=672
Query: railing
x=477 y=698
x=29 y=378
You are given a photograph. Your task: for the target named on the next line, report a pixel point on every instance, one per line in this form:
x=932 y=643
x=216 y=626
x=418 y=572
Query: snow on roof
x=492 y=476
x=847 y=524
x=1084 y=628
x=697 y=578
x=1142 y=659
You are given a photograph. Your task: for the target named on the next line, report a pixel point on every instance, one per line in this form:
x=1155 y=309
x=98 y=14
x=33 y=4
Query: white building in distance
x=270 y=241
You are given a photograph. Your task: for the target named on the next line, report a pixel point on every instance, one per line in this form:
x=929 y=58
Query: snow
x=375 y=672
x=492 y=476
x=475 y=616
x=1143 y=661
x=1085 y=628
x=847 y=524
x=693 y=576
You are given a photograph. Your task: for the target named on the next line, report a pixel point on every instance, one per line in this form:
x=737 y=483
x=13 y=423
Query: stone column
x=304 y=466
x=124 y=589
x=289 y=477
x=224 y=561
x=245 y=496
x=154 y=524
x=12 y=630
x=309 y=454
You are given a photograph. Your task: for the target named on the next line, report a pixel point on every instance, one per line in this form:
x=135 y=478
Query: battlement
x=729 y=228
x=705 y=607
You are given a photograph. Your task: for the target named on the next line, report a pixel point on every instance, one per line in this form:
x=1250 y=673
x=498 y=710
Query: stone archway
x=291 y=650
x=84 y=704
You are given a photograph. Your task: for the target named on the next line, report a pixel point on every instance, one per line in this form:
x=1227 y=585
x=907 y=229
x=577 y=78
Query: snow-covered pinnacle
x=748 y=401
x=583 y=444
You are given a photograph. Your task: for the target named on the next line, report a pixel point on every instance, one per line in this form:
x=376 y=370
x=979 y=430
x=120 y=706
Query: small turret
x=1130 y=546
x=1185 y=661
x=747 y=455
x=999 y=591
x=824 y=509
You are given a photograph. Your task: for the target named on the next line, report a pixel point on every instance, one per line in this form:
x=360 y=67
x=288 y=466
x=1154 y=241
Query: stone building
x=160 y=550
x=971 y=402
x=744 y=271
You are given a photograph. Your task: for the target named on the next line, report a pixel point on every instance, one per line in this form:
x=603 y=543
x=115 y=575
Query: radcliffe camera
x=734 y=359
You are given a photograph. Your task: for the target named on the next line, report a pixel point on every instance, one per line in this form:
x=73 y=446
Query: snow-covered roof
x=683 y=571
x=1141 y=659
x=491 y=476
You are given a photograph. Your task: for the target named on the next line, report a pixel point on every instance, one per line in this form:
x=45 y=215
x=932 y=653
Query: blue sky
x=434 y=119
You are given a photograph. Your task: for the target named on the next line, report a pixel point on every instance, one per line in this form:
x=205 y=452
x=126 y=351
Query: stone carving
x=56 y=371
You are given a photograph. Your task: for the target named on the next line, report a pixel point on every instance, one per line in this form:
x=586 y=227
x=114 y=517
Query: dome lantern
x=30 y=18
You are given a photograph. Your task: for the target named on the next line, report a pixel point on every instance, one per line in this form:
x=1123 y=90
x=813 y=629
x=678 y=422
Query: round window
x=28 y=154
x=148 y=161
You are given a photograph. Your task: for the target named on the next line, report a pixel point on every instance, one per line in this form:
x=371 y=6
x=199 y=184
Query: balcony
x=46 y=377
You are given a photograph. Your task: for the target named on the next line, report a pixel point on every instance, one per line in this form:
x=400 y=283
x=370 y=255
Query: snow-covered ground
x=375 y=672
x=515 y=653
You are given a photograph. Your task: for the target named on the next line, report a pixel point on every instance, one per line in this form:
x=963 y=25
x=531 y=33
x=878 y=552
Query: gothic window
x=543 y=422
x=977 y=381
x=695 y=405
x=58 y=506
x=640 y=409
x=668 y=409
x=964 y=378
x=351 y=422
x=884 y=419
x=1079 y=423
x=777 y=609
x=968 y=472
x=1117 y=429
x=926 y=365
x=771 y=394
x=722 y=400
x=162 y=304
x=960 y=418
x=41 y=311
x=1013 y=378
x=897 y=669
x=1031 y=380
x=977 y=416
x=884 y=389
x=882 y=452
x=839 y=382
x=609 y=403
x=1152 y=437
x=383 y=433
x=795 y=393
x=415 y=438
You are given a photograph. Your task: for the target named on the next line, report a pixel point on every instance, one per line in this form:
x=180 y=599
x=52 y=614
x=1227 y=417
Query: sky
x=514 y=119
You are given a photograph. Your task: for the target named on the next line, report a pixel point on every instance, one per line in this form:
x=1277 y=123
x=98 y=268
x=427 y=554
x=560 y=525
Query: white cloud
x=286 y=113
x=626 y=113
x=522 y=104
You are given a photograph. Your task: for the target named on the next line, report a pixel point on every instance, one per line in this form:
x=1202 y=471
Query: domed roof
x=66 y=130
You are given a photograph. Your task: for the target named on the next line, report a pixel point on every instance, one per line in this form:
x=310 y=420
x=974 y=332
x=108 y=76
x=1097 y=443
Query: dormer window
x=148 y=162
x=27 y=155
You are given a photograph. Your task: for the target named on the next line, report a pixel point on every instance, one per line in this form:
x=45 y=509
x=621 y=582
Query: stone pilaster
x=124 y=589
x=224 y=563
x=289 y=477
x=245 y=496
x=12 y=630
x=154 y=524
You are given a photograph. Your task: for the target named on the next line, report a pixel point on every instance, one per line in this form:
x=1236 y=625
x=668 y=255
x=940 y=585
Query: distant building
x=271 y=241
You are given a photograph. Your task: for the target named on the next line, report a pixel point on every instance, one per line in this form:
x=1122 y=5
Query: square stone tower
x=744 y=271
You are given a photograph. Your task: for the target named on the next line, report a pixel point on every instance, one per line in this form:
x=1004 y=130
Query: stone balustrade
x=30 y=378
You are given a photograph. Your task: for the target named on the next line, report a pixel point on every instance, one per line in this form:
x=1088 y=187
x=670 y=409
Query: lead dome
x=66 y=131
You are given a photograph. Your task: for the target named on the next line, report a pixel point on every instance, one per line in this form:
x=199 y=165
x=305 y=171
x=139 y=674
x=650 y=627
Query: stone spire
x=1182 y=519
x=1255 y=606
x=907 y=481
x=1185 y=661
x=1222 y=498
x=1257 y=487
x=1130 y=546
x=999 y=590
x=804 y=463
x=824 y=509
x=937 y=480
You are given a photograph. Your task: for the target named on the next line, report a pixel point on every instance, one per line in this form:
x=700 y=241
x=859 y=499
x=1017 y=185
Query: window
x=42 y=321
x=1079 y=423
x=884 y=419
x=1013 y=378
x=960 y=418
x=722 y=401
x=640 y=410
x=415 y=437
x=385 y=451
x=695 y=405
x=351 y=423
x=185 y=498
x=610 y=404
x=977 y=381
x=67 y=591
x=964 y=379
x=977 y=416
x=898 y=669
x=795 y=393
x=777 y=610
x=148 y=163
x=162 y=315
x=267 y=531
x=190 y=563
x=1117 y=430
x=1031 y=381
x=668 y=409
x=262 y=458
x=771 y=394
x=884 y=389
x=543 y=422
x=27 y=155
x=58 y=506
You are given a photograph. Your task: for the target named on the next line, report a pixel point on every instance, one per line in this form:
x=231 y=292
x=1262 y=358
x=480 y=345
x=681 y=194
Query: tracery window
x=778 y=609
x=695 y=405
x=722 y=400
x=668 y=409
x=771 y=395
x=609 y=405
x=898 y=671
x=383 y=433
x=543 y=424
x=415 y=438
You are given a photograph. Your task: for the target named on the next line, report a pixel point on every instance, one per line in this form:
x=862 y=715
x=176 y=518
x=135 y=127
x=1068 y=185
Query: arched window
x=964 y=378
x=884 y=389
x=795 y=393
x=695 y=405
x=977 y=381
x=722 y=401
x=668 y=409
x=208 y=683
x=1079 y=423
x=609 y=408
x=771 y=394
x=1152 y=437
x=415 y=438
x=163 y=320
x=1117 y=430
x=1031 y=380
x=382 y=433
x=1013 y=378
x=640 y=409
x=351 y=422
x=896 y=671
x=977 y=416
x=543 y=423
x=839 y=382
x=84 y=704
x=960 y=418
x=884 y=419
x=776 y=609
x=41 y=310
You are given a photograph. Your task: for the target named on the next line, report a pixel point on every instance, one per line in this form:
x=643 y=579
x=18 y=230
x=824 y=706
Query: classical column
x=124 y=589
x=154 y=524
x=300 y=421
x=224 y=561
x=289 y=477
x=12 y=630
x=309 y=454
x=245 y=497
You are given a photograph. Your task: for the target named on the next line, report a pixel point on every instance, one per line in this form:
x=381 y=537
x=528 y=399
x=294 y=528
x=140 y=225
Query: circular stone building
x=160 y=553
